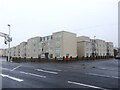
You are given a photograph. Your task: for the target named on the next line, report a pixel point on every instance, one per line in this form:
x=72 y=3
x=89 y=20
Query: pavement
x=96 y=74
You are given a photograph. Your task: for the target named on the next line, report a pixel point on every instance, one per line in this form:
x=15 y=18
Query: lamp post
x=9 y=44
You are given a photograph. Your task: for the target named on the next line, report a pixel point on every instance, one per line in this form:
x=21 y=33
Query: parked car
x=117 y=57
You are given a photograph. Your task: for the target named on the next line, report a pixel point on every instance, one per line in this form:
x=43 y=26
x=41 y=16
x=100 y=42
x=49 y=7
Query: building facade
x=93 y=47
x=101 y=48
x=12 y=52
x=84 y=46
x=61 y=44
x=17 y=51
x=23 y=49
x=110 y=49
x=64 y=44
x=57 y=45
x=33 y=47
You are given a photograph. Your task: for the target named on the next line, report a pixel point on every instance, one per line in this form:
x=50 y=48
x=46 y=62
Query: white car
x=117 y=57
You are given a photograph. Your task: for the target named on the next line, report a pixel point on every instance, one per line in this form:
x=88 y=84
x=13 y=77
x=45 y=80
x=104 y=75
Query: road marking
x=6 y=69
x=46 y=71
x=16 y=68
x=13 y=78
x=103 y=75
x=53 y=69
x=86 y=85
x=107 y=69
x=32 y=74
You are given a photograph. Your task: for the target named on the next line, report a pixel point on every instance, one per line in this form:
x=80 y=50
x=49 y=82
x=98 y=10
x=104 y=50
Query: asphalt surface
x=98 y=74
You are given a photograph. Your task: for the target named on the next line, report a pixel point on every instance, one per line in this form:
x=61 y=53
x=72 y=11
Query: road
x=99 y=74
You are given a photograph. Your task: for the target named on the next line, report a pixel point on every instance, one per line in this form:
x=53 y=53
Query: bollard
x=66 y=58
x=63 y=58
x=77 y=57
x=71 y=58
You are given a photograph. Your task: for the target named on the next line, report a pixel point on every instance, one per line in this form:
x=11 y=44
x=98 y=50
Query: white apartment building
x=23 y=49
x=64 y=44
x=84 y=46
x=58 y=44
x=93 y=47
x=110 y=49
x=12 y=51
x=32 y=47
x=101 y=48
x=61 y=44
x=17 y=51
x=46 y=46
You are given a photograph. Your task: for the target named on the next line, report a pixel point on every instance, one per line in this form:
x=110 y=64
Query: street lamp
x=9 y=44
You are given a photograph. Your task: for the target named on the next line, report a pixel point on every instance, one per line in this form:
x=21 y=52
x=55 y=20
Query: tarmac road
x=99 y=74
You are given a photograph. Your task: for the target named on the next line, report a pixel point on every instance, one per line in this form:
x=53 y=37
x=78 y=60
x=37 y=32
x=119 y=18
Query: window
x=43 y=38
x=51 y=37
x=57 y=49
x=40 y=39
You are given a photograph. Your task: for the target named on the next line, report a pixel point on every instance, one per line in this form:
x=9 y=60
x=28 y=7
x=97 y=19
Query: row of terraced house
x=61 y=44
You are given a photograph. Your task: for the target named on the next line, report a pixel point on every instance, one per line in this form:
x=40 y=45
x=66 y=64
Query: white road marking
x=16 y=68
x=106 y=69
x=32 y=74
x=103 y=75
x=46 y=71
x=6 y=69
x=13 y=78
x=86 y=85
x=53 y=69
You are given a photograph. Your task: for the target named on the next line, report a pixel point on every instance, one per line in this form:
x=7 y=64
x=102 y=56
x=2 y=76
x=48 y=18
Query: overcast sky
x=30 y=18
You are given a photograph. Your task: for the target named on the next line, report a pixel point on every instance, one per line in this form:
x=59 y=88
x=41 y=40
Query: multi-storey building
x=12 y=51
x=61 y=44
x=64 y=44
x=84 y=46
x=101 y=47
x=93 y=47
x=23 y=49
x=58 y=44
x=110 y=49
x=17 y=51
x=32 y=48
